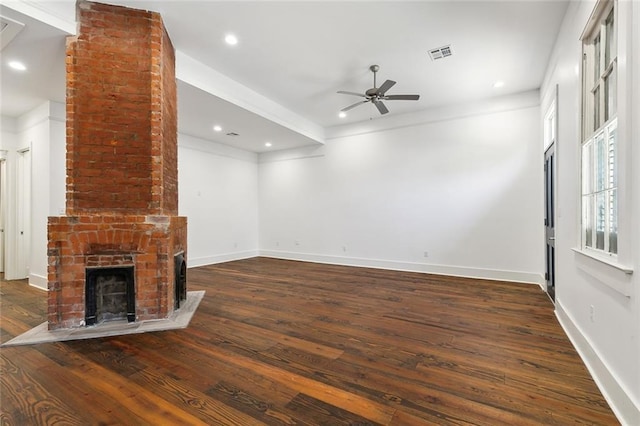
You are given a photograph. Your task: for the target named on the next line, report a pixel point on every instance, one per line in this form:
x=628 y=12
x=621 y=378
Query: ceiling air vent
x=8 y=30
x=440 y=52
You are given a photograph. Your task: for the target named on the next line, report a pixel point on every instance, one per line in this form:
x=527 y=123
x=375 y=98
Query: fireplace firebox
x=180 y=279
x=110 y=295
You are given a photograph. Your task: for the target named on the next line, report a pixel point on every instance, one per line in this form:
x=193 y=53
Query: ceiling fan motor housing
x=371 y=92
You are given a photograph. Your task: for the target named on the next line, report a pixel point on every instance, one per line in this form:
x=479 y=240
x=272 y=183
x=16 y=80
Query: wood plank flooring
x=291 y=343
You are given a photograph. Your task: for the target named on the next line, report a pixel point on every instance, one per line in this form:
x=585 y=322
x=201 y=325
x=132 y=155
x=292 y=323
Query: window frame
x=599 y=120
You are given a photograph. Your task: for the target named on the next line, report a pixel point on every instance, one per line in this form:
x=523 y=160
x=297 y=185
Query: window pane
x=596 y=108
x=600 y=162
x=587 y=167
x=610 y=36
x=613 y=221
x=587 y=220
x=612 y=154
x=610 y=95
x=600 y=220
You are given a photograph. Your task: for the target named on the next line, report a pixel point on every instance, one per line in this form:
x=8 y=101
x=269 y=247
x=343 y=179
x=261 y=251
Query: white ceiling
x=298 y=54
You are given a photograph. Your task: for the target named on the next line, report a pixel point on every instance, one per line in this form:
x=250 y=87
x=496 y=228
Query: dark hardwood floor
x=286 y=343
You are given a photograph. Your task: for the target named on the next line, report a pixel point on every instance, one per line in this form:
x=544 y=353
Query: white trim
x=617 y=278
x=457 y=271
x=43 y=113
x=593 y=254
x=39 y=282
x=195 y=143
x=612 y=389
x=220 y=258
x=302 y=153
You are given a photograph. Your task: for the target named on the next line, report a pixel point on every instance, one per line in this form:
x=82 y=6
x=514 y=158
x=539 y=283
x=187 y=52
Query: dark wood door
x=549 y=220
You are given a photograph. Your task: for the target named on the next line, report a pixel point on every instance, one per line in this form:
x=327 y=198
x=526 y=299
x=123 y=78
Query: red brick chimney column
x=121 y=113
x=122 y=174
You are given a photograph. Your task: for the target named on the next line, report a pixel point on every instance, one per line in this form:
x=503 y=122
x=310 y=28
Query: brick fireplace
x=121 y=232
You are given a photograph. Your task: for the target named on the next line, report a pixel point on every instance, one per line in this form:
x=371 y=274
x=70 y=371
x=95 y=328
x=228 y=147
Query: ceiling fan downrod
x=374 y=69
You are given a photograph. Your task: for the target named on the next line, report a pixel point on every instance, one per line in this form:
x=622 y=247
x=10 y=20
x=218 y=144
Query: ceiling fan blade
x=381 y=107
x=385 y=86
x=352 y=93
x=353 y=106
x=402 y=97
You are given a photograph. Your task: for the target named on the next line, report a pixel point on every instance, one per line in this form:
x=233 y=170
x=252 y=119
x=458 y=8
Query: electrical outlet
x=344 y=249
x=592 y=313
x=297 y=242
x=426 y=254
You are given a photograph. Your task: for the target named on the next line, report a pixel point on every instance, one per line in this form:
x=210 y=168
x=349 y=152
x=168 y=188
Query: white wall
x=9 y=148
x=218 y=192
x=609 y=342
x=42 y=131
x=464 y=185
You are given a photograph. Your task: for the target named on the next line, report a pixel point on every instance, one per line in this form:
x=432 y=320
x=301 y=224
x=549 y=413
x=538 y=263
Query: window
x=550 y=126
x=599 y=133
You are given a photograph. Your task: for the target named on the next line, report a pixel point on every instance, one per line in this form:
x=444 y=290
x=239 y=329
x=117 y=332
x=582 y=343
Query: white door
x=23 y=214
x=3 y=203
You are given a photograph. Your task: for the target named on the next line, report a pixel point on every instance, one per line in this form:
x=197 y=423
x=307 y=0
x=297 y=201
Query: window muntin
x=599 y=190
x=599 y=135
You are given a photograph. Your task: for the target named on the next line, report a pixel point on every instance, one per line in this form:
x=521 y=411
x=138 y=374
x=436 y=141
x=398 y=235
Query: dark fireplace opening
x=110 y=295
x=180 y=279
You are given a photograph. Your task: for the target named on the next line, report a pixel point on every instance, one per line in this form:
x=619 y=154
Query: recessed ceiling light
x=342 y=114
x=498 y=84
x=16 y=65
x=217 y=128
x=268 y=144
x=230 y=39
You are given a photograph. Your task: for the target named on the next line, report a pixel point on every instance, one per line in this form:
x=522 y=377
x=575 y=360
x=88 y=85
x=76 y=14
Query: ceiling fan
x=376 y=95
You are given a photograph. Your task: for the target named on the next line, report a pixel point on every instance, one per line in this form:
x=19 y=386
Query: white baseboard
x=627 y=412
x=458 y=271
x=219 y=258
x=39 y=282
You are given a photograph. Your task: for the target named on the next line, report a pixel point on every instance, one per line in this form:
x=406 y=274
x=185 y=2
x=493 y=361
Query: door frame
x=550 y=139
x=23 y=214
x=3 y=209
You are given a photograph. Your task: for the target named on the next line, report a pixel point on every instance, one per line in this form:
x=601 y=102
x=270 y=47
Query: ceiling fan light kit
x=376 y=95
